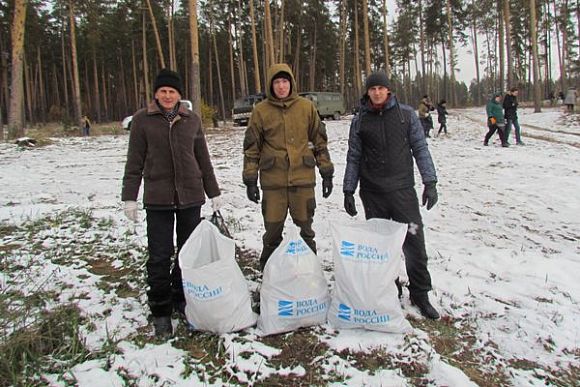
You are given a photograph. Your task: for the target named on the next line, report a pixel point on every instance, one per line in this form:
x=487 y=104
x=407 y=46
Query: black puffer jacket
x=382 y=144
x=510 y=106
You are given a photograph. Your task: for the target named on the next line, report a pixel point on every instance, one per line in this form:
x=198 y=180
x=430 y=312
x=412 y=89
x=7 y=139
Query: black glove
x=430 y=195
x=349 y=205
x=253 y=193
x=326 y=187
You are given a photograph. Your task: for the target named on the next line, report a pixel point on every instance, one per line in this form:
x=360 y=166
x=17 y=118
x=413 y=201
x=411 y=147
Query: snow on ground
x=503 y=241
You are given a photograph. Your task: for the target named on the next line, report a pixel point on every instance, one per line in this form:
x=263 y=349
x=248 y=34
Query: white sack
x=294 y=292
x=216 y=292
x=366 y=263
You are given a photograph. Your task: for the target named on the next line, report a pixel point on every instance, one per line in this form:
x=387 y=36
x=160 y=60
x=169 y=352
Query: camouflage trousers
x=276 y=203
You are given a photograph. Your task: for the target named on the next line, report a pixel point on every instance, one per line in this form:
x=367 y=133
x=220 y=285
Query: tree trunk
x=501 y=45
x=367 y=38
x=386 y=40
x=422 y=48
x=194 y=41
x=217 y=62
x=297 y=55
x=281 y=34
x=508 y=42
x=41 y=88
x=313 y=54
x=561 y=65
x=171 y=35
x=148 y=94
x=15 y=122
x=156 y=32
x=257 y=83
x=342 y=41
x=535 y=64
x=357 y=72
x=95 y=93
x=565 y=59
x=232 y=60
x=135 y=81
x=270 y=60
x=478 y=99
x=241 y=59
x=451 y=55
x=75 y=68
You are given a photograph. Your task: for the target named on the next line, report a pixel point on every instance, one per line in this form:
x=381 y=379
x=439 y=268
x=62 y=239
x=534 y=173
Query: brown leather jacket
x=173 y=160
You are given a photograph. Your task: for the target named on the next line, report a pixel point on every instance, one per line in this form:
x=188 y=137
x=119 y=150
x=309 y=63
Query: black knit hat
x=168 y=78
x=282 y=74
x=377 y=78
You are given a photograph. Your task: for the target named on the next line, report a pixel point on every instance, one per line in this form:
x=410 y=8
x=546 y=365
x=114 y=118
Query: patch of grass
x=206 y=354
x=36 y=341
x=456 y=341
x=379 y=359
x=249 y=262
x=299 y=348
x=54 y=335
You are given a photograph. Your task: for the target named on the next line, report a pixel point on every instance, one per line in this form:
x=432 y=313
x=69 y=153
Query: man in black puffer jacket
x=383 y=140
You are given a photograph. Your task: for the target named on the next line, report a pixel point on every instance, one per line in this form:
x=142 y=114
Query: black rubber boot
x=163 y=327
x=427 y=310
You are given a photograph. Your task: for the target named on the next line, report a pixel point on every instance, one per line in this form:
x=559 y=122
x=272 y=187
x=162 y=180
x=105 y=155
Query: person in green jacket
x=495 y=120
x=284 y=142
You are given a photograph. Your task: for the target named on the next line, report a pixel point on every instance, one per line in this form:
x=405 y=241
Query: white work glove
x=131 y=210
x=216 y=203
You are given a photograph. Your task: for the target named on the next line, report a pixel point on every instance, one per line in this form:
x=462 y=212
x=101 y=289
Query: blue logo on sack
x=360 y=252
x=202 y=291
x=298 y=247
x=301 y=308
x=362 y=316
x=285 y=308
x=344 y=312
x=347 y=249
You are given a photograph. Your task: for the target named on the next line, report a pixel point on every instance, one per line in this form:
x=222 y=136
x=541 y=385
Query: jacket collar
x=153 y=109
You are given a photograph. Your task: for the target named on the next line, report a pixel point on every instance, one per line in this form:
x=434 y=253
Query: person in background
x=570 y=99
x=86 y=126
x=168 y=151
x=510 y=106
x=284 y=142
x=425 y=106
x=442 y=116
x=495 y=120
x=383 y=140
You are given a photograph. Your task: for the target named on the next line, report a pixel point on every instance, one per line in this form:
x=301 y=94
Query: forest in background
x=62 y=59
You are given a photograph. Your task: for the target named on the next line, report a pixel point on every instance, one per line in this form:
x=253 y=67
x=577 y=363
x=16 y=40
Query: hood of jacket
x=272 y=71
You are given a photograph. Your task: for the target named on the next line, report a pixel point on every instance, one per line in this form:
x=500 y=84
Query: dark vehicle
x=329 y=105
x=243 y=108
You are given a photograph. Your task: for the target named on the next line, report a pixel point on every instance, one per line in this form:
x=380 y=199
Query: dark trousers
x=276 y=203
x=163 y=272
x=442 y=127
x=427 y=124
x=492 y=129
x=403 y=206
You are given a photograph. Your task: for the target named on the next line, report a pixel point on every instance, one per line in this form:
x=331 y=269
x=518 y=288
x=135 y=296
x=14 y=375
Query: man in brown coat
x=284 y=142
x=168 y=151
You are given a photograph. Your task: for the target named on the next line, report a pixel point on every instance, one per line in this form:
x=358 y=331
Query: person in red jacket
x=168 y=151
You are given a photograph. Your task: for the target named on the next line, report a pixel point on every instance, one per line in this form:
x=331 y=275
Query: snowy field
x=503 y=242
